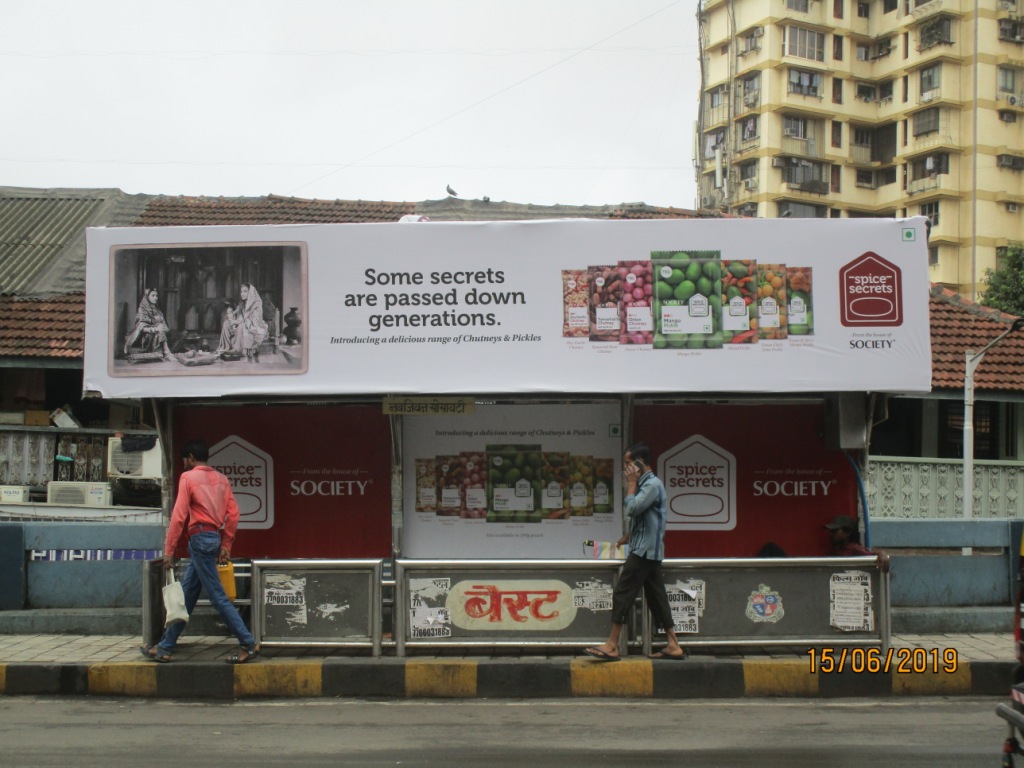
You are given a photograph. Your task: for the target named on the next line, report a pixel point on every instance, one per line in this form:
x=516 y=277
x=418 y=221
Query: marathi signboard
x=541 y=306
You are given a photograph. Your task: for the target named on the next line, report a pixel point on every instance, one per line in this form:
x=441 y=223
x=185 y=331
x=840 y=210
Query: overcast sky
x=530 y=101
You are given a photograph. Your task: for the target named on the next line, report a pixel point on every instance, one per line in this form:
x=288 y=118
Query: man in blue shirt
x=646 y=508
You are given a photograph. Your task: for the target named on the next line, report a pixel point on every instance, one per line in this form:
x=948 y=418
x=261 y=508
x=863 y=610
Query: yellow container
x=227 y=579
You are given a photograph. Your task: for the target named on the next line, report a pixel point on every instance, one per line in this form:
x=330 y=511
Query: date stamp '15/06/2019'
x=901 y=661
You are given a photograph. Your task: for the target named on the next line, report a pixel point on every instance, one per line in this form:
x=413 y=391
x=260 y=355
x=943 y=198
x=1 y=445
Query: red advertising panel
x=741 y=476
x=311 y=481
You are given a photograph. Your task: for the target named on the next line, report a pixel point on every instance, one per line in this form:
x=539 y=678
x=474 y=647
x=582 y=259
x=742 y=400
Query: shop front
x=456 y=400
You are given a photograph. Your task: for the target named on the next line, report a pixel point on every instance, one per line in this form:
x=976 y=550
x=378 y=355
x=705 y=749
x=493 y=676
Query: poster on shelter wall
x=512 y=481
x=794 y=305
x=310 y=481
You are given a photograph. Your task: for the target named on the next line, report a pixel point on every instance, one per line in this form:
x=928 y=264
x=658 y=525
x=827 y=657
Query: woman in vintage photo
x=150 y=331
x=244 y=328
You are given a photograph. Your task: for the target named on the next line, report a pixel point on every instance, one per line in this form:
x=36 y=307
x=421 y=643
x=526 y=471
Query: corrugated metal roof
x=42 y=235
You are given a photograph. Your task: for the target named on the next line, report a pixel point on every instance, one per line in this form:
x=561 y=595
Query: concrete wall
x=929 y=569
x=109 y=575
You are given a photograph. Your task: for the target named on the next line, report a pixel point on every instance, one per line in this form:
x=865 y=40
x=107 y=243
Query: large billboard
x=783 y=305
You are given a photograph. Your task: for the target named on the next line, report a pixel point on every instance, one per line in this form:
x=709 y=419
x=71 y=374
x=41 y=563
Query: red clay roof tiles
x=43 y=328
x=272 y=209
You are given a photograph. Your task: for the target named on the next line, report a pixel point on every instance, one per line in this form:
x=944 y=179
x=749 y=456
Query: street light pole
x=973 y=360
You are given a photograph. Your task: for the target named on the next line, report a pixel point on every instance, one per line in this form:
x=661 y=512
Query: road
x=91 y=732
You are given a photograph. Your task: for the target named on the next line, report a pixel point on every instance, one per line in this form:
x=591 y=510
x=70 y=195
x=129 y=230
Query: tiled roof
x=42 y=235
x=643 y=211
x=48 y=328
x=205 y=211
x=466 y=209
x=958 y=325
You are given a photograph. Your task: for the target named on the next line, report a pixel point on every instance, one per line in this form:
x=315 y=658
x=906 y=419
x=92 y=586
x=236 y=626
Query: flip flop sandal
x=160 y=657
x=237 y=658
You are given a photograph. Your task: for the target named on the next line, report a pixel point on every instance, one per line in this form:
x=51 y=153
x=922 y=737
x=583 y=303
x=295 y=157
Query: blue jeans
x=204 y=549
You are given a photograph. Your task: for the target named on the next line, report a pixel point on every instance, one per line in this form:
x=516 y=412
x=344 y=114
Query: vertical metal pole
x=970 y=364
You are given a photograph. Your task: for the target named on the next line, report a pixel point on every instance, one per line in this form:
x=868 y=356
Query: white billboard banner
x=728 y=305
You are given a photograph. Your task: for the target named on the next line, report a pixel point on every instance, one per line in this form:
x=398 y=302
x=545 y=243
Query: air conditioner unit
x=1007 y=117
x=750 y=184
x=1004 y=161
x=757 y=31
x=778 y=162
x=1007 y=5
x=136 y=465
x=750 y=99
x=791 y=133
x=868 y=99
x=78 y=494
x=1011 y=207
x=1012 y=100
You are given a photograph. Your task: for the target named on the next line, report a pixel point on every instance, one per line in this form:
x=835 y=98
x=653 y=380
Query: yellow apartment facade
x=861 y=108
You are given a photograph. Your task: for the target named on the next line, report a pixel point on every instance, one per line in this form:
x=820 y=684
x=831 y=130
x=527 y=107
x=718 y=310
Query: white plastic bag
x=174 y=601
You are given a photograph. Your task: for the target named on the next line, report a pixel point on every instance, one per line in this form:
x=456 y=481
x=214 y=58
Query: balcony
x=812 y=186
x=924 y=184
x=932 y=7
x=902 y=487
x=804 y=147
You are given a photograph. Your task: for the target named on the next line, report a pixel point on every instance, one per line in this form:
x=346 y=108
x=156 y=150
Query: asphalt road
x=91 y=732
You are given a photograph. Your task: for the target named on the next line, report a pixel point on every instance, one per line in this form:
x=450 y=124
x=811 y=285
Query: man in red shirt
x=206 y=510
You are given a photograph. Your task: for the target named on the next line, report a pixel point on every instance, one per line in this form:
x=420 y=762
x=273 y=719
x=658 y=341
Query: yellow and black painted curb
x=432 y=678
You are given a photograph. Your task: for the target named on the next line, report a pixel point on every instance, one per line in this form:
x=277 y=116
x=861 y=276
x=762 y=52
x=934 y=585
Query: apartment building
x=861 y=108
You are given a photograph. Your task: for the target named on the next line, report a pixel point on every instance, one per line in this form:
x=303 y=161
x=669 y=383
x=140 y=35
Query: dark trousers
x=640 y=573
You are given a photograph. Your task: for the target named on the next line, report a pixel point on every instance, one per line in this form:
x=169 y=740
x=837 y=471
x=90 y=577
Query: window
x=935 y=32
x=933 y=256
x=906 y=88
x=806 y=83
x=794 y=127
x=837 y=90
x=748 y=128
x=862 y=137
x=837 y=47
x=883 y=48
x=798 y=5
x=867 y=92
x=863 y=52
x=926 y=121
x=837 y=133
x=751 y=85
x=931 y=165
x=836 y=184
x=808 y=176
x=931 y=212
x=888 y=6
x=837 y=9
x=805 y=43
x=931 y=78
x=863 y=10
x=885 y=176
x=716 y=96
x=986 y=430
x=1007 y=79
x=885 y=90
x=711 y=140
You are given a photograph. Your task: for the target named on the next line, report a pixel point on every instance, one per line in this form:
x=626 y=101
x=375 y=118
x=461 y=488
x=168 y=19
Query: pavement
x=967 y=664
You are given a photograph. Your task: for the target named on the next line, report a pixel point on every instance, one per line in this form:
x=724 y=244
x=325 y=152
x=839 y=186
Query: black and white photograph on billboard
x=223 y=309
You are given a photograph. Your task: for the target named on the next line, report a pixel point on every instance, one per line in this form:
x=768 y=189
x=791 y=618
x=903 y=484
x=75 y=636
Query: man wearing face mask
x=646 y=508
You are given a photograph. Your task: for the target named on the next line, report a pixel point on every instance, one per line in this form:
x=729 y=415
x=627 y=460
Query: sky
x=574 y=102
